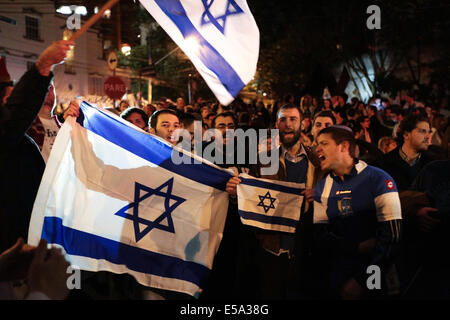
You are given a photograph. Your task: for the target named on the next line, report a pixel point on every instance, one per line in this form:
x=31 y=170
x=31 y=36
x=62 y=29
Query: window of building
x=30 y=65
x=32 y=28
x=95 y=86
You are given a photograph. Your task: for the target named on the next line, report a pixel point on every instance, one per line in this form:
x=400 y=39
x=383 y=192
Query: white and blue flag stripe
x=269 y=204
x=220 y=37
x=113 y=199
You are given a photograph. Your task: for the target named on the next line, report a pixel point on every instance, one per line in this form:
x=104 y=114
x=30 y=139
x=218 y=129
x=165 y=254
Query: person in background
x=149 y=109
x=163 y=123
x=136 y=116
x=367 y=135
x=322 y=120
x=21 y=163
x=123 y=105
x=357 y=216
x=405 y=162
x=387 y=144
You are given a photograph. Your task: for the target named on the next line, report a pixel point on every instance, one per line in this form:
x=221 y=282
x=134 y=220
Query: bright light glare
x=191 y=44
x=126 y=49
x=81 y=10
x=64 y=10
x=107 y=14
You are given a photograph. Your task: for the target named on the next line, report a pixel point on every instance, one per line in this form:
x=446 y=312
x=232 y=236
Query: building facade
x=28 y=27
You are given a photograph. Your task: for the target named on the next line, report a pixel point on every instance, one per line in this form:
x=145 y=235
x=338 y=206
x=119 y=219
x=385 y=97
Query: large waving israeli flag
x=269 y=204
x=220 y=37
x=114 y=200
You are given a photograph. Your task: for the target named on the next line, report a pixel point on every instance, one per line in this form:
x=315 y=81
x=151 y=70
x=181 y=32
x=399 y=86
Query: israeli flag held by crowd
x=220 y=37
x=269 y=204
x=114 y=200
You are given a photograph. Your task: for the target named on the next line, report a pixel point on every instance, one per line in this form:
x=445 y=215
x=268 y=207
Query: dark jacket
x=400 y=170
x=21 y=163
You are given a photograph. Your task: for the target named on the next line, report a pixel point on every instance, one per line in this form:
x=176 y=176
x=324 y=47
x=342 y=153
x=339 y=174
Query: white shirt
x=51 y=130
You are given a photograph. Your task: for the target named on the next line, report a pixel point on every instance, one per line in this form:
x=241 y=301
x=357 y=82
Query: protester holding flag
x=273 y=255
x=21 y=163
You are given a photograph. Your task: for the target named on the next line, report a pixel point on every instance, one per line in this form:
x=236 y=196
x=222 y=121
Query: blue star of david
x=167 y=214
x=223 y=18
x=262 y=204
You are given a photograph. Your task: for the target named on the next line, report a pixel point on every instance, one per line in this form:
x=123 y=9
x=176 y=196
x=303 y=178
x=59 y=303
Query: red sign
x=389 y=184
x=114 y=87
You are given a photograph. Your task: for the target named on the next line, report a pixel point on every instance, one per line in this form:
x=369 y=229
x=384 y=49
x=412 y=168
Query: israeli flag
x=269 y=204
x=220 y=37
x=114 y=200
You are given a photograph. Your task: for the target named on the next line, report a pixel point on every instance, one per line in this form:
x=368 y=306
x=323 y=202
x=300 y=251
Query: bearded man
x=276 y=260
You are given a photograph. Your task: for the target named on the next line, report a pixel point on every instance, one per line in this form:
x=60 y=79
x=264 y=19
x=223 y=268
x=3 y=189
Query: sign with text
x=114 y=87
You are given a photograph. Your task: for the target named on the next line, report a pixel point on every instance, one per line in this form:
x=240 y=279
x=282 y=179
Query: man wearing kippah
x=357 y=217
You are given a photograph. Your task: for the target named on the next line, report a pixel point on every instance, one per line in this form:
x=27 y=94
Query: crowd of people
x=377 y=190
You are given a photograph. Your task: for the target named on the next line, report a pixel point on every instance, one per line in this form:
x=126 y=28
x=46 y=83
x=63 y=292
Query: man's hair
x=361 y=119
x=289 y=106
x=325 y=113
x=188 y=119
x=204 y=108
x=154 y=118
x=287 y=97
x=351 y=112
x=127 y=112
x=224 y=114
x=345 y=97
x=244 y=117
x=374 y=109
x=357 y=127
x=340 y=134
x=408 y=124
x=384 y=141
x=211 y=114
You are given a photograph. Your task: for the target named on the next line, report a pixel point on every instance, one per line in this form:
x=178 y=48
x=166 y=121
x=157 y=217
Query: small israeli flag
x=269 y=204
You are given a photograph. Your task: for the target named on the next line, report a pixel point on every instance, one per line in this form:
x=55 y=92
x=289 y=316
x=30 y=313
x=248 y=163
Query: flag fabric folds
x=114 y=200
x=269 y=204
x=220 y=37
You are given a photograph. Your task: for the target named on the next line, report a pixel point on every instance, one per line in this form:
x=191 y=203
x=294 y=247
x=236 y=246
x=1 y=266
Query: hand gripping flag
x=269 y=204
x=114 y=200
x=220 y=37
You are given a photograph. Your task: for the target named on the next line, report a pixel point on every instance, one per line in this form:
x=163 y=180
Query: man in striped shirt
x=357 y=215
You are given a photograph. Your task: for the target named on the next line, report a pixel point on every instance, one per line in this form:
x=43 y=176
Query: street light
x=125 y=49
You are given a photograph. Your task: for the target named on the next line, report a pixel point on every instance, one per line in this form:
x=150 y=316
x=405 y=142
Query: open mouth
x=321 y=158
